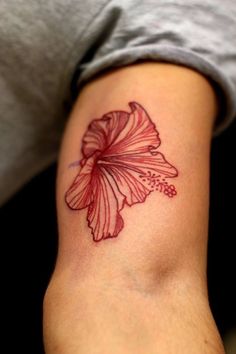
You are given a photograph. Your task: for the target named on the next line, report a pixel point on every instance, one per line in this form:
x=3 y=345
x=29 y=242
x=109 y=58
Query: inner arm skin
x=144 y=291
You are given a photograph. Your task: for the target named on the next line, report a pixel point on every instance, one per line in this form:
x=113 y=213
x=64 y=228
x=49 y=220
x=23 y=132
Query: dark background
x=29 y=245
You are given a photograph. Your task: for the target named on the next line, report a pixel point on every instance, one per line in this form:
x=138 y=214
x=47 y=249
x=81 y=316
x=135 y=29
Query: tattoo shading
x=120 y=166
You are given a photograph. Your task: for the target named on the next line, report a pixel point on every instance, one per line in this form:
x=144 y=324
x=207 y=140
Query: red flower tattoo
x=120 y=166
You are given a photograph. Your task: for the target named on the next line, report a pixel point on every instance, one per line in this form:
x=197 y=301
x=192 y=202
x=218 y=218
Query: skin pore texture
x=132 y=199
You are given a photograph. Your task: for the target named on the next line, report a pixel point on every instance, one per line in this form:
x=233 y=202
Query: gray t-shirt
x=49 y=46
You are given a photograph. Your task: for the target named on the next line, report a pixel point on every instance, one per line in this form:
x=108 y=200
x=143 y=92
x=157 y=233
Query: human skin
x=144 y=290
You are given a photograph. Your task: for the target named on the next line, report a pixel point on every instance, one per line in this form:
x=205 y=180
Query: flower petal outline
x=121 y=165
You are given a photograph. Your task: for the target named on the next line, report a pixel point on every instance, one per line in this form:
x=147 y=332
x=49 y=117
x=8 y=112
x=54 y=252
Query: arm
x=131 y=269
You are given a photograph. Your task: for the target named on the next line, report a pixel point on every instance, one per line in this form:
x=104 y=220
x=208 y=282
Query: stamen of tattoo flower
x=74 y=164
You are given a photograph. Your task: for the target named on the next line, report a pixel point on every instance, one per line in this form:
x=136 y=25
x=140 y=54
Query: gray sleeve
x=194 y=33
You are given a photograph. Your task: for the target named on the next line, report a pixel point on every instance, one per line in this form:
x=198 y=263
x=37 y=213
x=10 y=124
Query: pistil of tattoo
x=120 y=166
x=158 y=183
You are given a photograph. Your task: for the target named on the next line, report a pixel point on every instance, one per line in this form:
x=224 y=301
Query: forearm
x=142 y=287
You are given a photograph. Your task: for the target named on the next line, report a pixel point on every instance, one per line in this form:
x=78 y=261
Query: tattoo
x=120 y=166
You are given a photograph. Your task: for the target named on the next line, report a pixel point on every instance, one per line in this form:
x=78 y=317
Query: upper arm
x=176 y=111
x=132 y=198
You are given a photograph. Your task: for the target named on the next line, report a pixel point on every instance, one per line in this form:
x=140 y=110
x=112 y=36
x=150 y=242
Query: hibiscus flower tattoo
x=121 y=166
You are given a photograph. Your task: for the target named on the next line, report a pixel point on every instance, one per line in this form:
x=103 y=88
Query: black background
x=29 y=246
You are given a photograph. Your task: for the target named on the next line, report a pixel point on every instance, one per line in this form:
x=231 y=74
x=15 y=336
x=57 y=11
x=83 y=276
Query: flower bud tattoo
x=120 y=166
